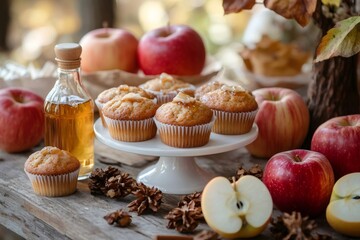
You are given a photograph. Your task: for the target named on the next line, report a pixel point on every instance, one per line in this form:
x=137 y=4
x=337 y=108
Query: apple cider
x=70 y=127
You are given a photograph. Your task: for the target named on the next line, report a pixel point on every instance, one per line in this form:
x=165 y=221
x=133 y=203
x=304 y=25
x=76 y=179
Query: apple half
x=240 y=209
x=343 y=211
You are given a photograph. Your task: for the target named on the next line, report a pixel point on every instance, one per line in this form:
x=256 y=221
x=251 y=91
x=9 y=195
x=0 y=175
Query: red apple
x=299 y=180
x=108 y=49
x=283 y=121
x=22 y=119
x=339 y=140
x=175 y=49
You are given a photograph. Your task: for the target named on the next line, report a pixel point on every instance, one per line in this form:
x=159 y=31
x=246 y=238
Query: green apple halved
x=240 y=209
x=343 y=211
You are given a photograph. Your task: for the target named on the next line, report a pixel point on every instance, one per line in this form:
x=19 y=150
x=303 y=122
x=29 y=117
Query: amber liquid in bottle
x=70 y=127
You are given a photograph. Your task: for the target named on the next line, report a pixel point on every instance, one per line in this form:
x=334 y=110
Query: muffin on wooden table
x=118 y=92
x=53 y=172
x=130 y=118
x=184 y=122
x=165 y=87
x=234 y=107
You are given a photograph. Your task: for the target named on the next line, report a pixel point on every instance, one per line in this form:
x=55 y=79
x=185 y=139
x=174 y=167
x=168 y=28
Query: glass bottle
x=69 y=110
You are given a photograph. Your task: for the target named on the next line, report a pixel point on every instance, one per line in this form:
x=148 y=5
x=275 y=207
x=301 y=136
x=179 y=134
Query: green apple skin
x=246 y=231
x=348 y=200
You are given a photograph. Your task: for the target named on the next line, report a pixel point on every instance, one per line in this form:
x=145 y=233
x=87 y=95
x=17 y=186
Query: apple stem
x=357 y=197
x=168 y=28
x=105 y=25
x=297 y=158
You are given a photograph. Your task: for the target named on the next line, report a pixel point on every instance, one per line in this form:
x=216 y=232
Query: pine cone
x=184 y=219
x=119 y=186
x=255 y=170
x=120 y=217
x=146 y=197
x=295 y=227
x=98 y=178
x=196 y=197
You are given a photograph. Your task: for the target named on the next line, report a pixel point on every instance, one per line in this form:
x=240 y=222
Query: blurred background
x=29 y=29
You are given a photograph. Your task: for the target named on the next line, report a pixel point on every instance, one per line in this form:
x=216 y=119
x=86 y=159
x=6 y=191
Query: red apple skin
x=109 y=49
x=339 y=140
x=22 y=119
x=299 y=180
x=175 y=49
x=283 y=121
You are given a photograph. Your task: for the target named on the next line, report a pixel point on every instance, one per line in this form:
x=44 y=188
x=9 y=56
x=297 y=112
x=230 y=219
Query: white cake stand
x=176 y=171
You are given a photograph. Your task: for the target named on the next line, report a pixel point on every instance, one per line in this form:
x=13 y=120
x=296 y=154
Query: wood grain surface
x=80 y=216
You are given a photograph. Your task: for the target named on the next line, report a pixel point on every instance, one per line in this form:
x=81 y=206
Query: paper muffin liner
x=54 y=185
x=131 y=130
x=184 y=136
x=229 y=123
x=100 y=106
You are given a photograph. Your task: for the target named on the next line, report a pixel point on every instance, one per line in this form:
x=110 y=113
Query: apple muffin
x=53 y=172
x=208 y=87
x=130 y=118
x=165 y=87
x=184 y=122
x=119 y=91
x=234 y=107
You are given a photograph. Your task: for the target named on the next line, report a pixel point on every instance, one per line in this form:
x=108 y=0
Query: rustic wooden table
x=80 y=216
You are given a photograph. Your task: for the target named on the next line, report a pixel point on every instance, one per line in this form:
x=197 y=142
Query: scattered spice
x=185 y=218
x=295 y=227
x=146 y=198
x=111 y=182
x=255 y=170
x=119 y=217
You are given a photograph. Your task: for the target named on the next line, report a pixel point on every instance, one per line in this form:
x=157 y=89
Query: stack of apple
x=175 y=49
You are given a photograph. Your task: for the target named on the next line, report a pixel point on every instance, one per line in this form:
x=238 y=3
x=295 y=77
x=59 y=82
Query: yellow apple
x=343 y=211
x=240 y=209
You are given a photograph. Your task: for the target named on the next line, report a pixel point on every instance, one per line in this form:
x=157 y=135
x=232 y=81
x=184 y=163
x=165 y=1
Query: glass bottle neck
x=69 y=74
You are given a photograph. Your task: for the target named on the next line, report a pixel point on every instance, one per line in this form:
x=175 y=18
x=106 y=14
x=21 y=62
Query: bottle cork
x=68 y=55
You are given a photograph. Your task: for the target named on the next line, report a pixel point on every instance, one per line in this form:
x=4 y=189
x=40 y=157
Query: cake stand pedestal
x=176 y=171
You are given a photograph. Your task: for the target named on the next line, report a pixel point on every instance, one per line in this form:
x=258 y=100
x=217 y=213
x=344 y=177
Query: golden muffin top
x=165 y=83
x=230 y=99
x=131 y=106
x=51 y=161
x=184 y=110
x=121 y=91
x=208 y=87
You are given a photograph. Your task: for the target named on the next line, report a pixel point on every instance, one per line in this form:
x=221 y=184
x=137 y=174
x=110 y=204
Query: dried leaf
x=300 y=10
x=342 y=40
x=235 y=6
x=331 y=2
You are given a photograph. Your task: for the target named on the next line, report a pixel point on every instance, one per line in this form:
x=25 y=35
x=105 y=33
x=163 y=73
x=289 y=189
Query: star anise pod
x=146 y=197
x=255 y=170
x=295 y=227
x=196 y=197
x=98 y=178
x=120 y=217
x=185 y=218
x=119 y=186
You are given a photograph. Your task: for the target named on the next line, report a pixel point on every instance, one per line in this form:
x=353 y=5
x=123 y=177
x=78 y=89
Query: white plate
x=176 y=172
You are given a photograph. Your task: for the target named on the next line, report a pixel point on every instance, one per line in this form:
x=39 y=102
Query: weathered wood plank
x=80 y=216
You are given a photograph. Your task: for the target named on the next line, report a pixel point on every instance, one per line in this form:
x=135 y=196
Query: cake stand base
x=175 y=175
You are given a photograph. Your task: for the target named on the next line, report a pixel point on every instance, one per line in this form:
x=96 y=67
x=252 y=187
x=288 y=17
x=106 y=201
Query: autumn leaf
x=235 y=6
x=331 y=2
x=300 y=10
x=341 y=40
